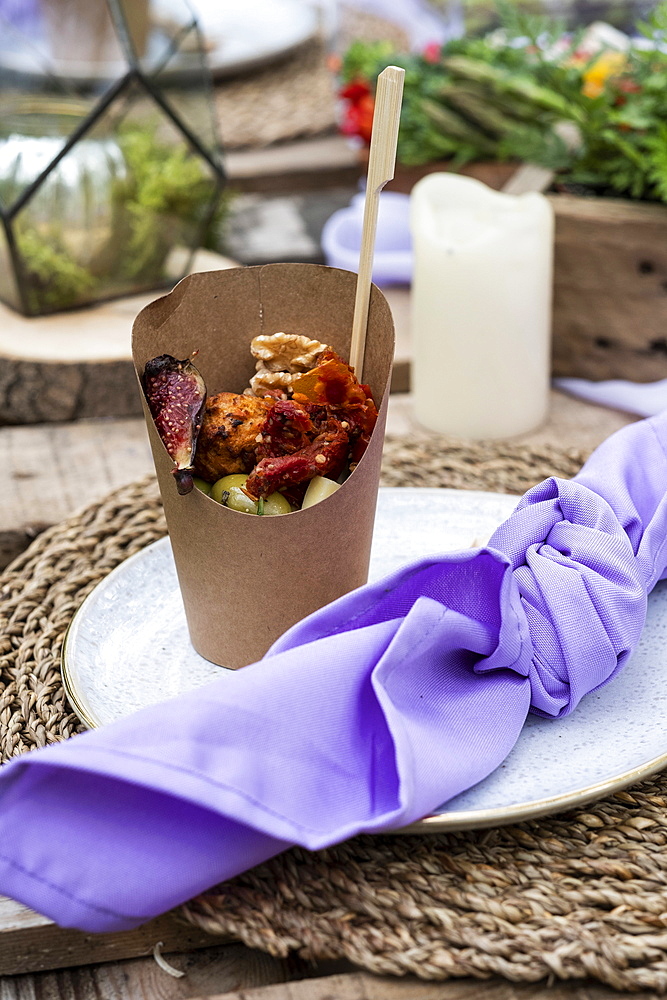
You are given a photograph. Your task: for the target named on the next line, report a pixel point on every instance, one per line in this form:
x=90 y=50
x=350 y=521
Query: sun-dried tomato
x=286 y=428
x=328 y=422
x=334 y=384
x=324 y=456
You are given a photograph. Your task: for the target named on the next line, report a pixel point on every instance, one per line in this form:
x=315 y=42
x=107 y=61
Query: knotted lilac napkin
x=364 y=717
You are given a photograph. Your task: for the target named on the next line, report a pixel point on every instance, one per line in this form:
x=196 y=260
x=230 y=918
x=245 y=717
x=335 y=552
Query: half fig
x=176 y=394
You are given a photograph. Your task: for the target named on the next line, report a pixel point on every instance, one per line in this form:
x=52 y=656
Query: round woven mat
x=581 y=894
x=295 y=97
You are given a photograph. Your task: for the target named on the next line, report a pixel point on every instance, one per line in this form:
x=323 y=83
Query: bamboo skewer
x=381 y=163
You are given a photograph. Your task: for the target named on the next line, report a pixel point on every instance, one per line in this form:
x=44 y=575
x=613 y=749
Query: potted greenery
x=489 y=103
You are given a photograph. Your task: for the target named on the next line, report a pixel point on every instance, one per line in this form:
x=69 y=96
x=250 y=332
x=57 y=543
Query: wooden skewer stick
x=381 y=163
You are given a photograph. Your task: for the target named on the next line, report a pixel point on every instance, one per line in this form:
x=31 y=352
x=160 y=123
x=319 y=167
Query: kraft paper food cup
x=246 y=579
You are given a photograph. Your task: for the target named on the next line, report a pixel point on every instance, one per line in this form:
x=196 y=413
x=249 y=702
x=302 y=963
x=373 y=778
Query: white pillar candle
x=481 y=307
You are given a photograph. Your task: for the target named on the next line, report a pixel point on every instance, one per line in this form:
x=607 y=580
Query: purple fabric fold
x=364 y=717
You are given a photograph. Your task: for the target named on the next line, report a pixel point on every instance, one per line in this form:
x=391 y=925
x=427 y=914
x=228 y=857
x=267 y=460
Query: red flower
x=628 y=86
x=625 y=86
x=432 y=52
x=355 y=90
x=359 y=118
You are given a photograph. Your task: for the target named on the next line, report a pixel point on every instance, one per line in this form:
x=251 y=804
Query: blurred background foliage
x=588 y=104
x=482 y=16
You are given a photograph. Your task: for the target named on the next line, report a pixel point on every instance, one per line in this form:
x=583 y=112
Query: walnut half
x=265 y=381
x=285 y=352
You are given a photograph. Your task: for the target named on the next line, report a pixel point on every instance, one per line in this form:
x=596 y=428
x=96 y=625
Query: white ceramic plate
x=247 y=35
x=128 y=647
x=238 y=37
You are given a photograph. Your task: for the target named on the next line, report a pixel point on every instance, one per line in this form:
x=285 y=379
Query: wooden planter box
x=610 y=289
x=610 y=279
x=496 y=175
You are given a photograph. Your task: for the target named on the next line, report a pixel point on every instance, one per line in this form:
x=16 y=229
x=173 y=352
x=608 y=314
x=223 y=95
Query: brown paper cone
x=246 y=579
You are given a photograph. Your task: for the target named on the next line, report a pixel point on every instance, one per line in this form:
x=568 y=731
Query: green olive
x=202 y=485
x=276 y=503
x=224 y=484
x=238 y=500
x=228 y=491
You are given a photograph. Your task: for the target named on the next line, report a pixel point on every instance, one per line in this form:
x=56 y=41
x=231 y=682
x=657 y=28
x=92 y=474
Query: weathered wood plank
x=216 y=970
x=30 y=942
x=305 y=165
x=233 y=972
x=362 y=986
x=54 y=469
x=610 y=289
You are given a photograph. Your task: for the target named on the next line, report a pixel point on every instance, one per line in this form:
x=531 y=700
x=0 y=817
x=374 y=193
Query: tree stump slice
x=75 y=365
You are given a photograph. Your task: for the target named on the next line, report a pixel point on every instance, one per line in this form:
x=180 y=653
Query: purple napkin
x=366 y=716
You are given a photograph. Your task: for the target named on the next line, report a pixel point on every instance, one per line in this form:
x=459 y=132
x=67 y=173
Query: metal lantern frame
x=144 y=81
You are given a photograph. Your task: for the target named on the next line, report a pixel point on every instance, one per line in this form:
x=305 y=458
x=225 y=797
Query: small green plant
x=164 y=198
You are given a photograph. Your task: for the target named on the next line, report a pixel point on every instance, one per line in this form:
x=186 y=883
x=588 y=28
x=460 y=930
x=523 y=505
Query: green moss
x=53 y=280
x=164 y=200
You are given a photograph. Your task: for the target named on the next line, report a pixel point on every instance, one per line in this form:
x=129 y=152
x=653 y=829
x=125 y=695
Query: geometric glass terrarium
x=110 y=161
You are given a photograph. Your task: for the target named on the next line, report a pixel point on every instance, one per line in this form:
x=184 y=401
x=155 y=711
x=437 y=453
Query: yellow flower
x=609 y=64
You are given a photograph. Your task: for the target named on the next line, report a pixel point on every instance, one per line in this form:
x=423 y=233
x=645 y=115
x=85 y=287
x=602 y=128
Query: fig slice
x=176 y=394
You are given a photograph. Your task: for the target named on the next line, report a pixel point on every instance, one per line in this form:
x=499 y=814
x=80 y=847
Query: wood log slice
x=77 y=364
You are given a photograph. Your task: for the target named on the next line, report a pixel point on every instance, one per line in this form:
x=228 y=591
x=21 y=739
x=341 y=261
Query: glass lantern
x=110 y=162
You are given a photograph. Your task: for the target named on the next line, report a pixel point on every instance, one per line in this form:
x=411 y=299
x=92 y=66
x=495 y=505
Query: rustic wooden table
x=53 y=468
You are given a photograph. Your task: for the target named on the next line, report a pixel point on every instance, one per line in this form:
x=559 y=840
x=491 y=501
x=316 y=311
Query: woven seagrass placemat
x=295 y=97
x=580 y=894
x=291 y=100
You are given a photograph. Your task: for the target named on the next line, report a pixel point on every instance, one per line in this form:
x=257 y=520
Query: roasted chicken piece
x=229 y=435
